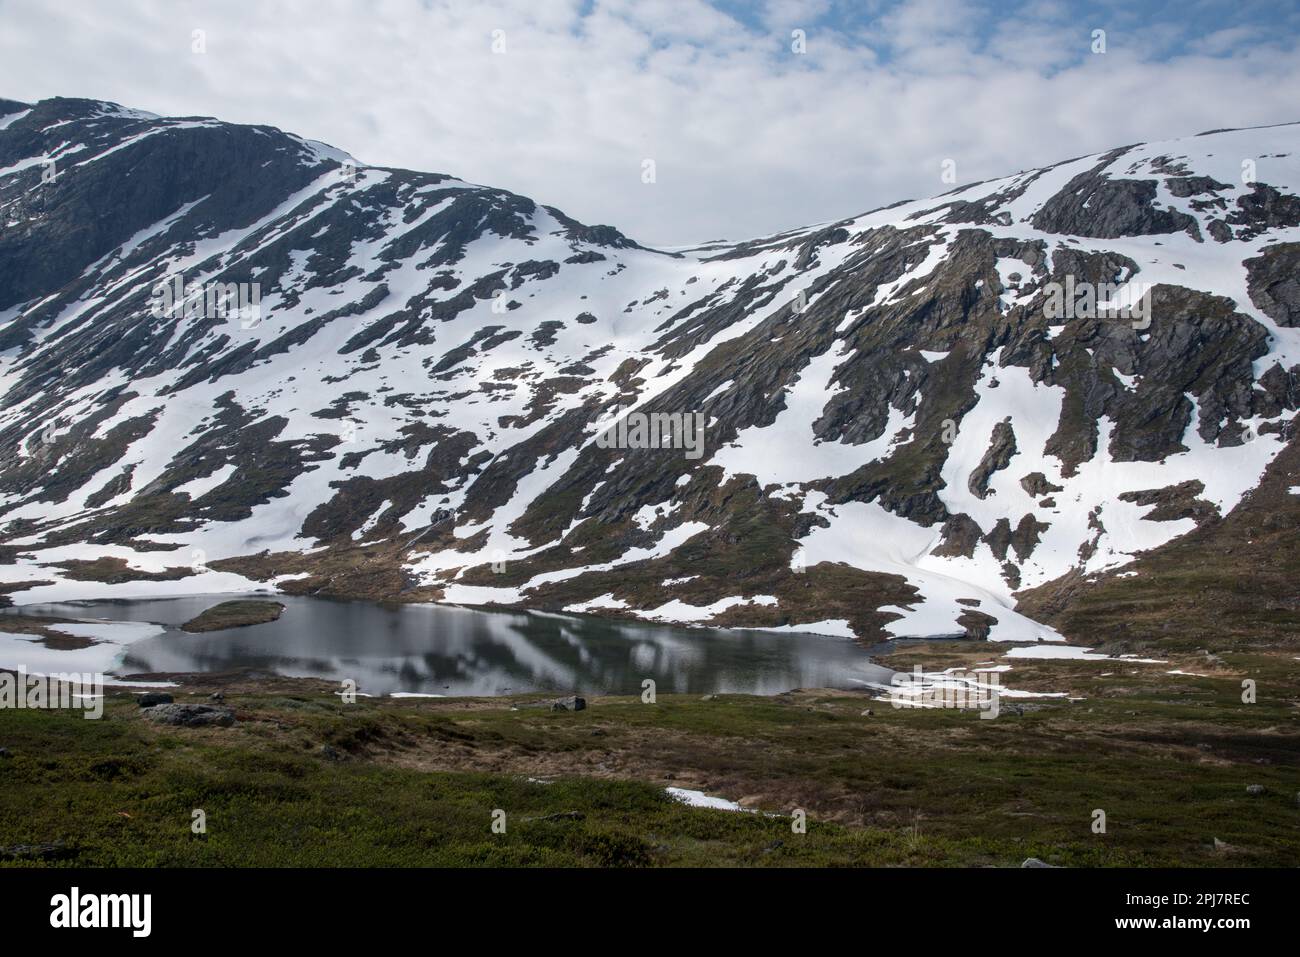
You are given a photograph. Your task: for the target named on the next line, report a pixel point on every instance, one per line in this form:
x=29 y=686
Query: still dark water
x=438 y=649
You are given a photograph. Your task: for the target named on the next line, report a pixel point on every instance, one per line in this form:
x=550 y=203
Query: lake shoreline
x=449 y=650
x=880 y=786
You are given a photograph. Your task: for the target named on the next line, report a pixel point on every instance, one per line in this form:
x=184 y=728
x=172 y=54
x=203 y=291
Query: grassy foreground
x=303 y=779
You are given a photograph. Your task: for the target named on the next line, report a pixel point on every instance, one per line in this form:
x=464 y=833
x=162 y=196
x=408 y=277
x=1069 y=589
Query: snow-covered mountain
x=911 y=417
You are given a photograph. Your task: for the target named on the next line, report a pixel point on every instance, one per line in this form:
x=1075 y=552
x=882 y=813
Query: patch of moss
x=304 y=779
x=235 y=614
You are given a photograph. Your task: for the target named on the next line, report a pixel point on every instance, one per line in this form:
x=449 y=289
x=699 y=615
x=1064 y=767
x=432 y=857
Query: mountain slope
x=902 y=432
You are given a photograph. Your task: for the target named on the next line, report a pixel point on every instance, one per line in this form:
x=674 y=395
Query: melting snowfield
x=485 y=370
x=106 y=645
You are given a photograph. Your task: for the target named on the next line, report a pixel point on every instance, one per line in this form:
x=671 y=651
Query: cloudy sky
x=565 y=100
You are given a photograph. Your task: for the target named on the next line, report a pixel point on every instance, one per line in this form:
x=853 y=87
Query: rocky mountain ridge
x=902 y=436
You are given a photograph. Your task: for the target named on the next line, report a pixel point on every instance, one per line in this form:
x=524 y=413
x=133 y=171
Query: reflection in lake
x=438 y=649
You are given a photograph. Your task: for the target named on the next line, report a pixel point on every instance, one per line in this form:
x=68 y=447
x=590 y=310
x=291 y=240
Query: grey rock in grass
x=571 y=703
x=191 y=715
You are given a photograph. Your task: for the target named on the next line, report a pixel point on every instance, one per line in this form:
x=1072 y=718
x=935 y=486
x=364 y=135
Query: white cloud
x=747 y=136
x=1224 y=41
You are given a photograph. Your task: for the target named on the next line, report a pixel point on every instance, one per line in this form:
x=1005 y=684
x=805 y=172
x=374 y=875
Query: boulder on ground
x=571 y=703
x=151 y=698
x=191 y=715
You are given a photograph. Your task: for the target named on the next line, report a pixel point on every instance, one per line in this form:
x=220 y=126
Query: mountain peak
x=230 y=355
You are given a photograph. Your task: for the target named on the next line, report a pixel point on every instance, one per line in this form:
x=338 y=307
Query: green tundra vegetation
x=305 y=779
